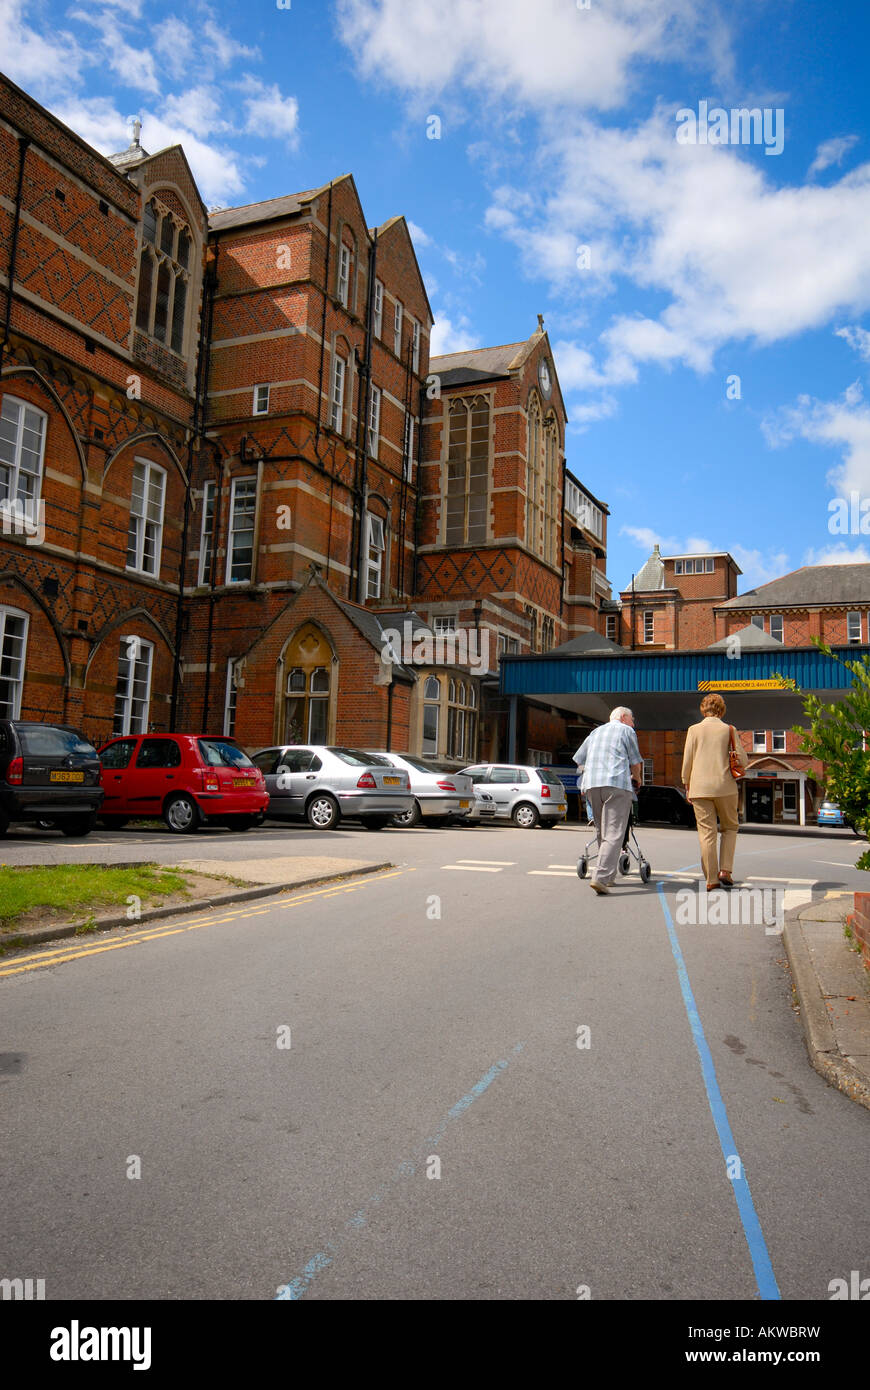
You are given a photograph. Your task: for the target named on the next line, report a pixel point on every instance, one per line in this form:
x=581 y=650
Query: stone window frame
x=13 y=496
x=133 y=649
x=151 y=468
x=232 y=530
x=160 y=257
x=466 y=403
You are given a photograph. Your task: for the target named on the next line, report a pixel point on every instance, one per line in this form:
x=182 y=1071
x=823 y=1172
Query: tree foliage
x=836 y=737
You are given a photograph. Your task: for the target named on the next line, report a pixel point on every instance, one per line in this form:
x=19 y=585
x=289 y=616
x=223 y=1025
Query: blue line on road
x=764 y=1275
x=296 y=1288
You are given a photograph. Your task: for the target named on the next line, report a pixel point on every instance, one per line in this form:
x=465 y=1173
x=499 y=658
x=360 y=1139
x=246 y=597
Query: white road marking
x=471 y=868
x=501 y=863
x=553 y=873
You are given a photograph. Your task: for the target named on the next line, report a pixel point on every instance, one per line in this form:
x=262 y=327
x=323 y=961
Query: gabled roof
x=373 y=625
x=750 y=637
x=399 y=224
x=651 y=576
x=477 y=364
x=268 y=211
x=809 y=586
x=589 y=642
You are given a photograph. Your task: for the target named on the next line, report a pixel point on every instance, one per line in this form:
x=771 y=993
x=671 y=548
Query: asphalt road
x=618 y=1100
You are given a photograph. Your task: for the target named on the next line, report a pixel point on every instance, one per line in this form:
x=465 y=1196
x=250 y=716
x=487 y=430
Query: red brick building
x=245 y=403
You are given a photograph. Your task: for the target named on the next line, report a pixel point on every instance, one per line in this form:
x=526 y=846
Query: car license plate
x=464 y=805
x=67 y=777
x=242 y=782
x=392 y=781
x=561 y=806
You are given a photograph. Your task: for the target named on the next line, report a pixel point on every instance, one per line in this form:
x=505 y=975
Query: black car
x=48 y=773
x=667 y=804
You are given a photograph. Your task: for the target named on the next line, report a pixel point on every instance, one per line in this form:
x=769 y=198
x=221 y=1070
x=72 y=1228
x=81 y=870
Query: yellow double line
x=61 y=954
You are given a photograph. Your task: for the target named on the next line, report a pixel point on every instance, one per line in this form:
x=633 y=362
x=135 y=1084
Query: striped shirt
x=605 y=758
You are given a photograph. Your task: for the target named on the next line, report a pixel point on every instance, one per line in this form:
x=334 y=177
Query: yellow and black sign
x=773 y=683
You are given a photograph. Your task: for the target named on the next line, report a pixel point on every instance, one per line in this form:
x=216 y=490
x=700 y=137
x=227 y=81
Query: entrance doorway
x=759 y=803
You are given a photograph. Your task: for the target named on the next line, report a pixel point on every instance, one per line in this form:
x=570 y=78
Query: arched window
x=13 y=646
x=462 y=723
x=164 y=276
x=467 y=471
x=431 y=715
x=309 y=688
x=533 y=478
x=551 y=492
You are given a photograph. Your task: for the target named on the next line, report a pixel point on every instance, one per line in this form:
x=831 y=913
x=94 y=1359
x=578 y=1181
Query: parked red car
x=185 y=778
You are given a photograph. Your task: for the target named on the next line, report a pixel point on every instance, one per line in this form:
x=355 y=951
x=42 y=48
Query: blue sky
x=558 y=130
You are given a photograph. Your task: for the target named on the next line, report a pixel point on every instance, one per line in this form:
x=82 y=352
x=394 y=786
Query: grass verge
x=73 y=888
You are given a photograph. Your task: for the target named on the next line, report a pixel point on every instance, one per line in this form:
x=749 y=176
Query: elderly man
x=610 y=762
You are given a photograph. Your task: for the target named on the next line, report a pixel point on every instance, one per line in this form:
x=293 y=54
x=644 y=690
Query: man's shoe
x=726 y=882
x=598 y=887
x=712 y=887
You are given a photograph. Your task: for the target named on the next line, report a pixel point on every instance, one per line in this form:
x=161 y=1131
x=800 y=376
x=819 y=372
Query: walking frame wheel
x=644 y=871
x=582 y=866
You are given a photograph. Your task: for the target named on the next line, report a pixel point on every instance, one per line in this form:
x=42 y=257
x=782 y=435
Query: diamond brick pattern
x=46 y=270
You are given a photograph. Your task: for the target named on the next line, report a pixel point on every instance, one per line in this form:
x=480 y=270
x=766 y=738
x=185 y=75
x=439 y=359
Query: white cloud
x=842 y=424
x=269 y=113
x=197 y=109
x=838 y=554
x=646 y=537
x=132 y=65
x=581 y=416
x=536 y=53
x=226 y=50
x=174 y=41
x=758 y=567
x=734 y=256
x=448 y=336
x=40 y=65
x=831 y=152
x=858 y=339
x=97 y=120
x=418 y=236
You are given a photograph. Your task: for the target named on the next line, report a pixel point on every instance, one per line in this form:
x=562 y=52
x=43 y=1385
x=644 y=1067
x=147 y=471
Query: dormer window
x=164 y=276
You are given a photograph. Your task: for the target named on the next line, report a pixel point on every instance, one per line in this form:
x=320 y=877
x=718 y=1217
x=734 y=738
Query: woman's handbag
x=738 y=772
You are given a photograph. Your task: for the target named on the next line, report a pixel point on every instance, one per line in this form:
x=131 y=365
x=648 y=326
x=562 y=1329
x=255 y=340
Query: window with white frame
x=778 y=745
x=145 y=530
x=610 y=627
x=444 y=622
x=375 y=547
x=759 y=741
x=776 y=626
x=206 y=537
x=13 y=646
x=415 y=360
x=344 y=274
x=374 y=430
x=240 y=550
x=853 y=627
x=22 y=449
x=336 y=399
x=397 y=328
x=648 y=772
x=431 y=715
x=230 y=699
x=649 y=626
x=133 y=690
x=378 y=324
x=261 y=400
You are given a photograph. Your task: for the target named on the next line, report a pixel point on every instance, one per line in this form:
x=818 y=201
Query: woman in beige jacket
x=712 y=790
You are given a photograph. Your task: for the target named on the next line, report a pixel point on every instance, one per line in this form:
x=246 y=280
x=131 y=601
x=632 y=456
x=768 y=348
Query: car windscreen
x=421 y=766
x=549 y=777
x=216 y=753
x=46 y=741
x=357 y=759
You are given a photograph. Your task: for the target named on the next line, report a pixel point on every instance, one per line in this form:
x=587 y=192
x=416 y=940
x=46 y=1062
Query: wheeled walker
x=630 y=850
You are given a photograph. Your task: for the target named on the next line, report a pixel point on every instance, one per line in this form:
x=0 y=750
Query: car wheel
x=322 y=812
x=181 y=815
x=406 y=819
x=75 y=826
x=113 y=822
x=525 y=816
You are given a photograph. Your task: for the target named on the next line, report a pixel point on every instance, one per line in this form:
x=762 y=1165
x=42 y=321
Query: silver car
x=438 y=793
x=528 y=796
x=321 y=785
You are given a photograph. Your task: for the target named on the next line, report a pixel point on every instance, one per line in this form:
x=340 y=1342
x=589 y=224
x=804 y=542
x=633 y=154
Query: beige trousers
x=707 y=808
